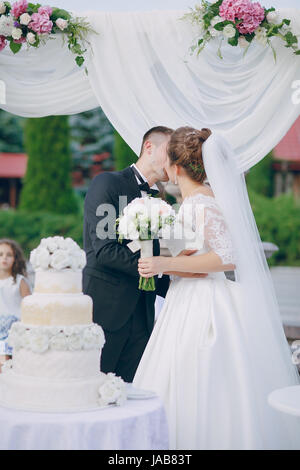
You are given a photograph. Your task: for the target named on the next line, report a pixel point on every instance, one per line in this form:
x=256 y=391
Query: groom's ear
x=147 y=146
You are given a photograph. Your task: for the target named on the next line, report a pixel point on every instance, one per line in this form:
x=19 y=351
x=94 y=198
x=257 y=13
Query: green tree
x=260 y=178
x=11 y=133
x=47 y=184
x=124 y=155
x=91 y=133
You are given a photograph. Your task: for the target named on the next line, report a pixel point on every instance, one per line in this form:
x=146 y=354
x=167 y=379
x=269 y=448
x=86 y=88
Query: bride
x=218 y=348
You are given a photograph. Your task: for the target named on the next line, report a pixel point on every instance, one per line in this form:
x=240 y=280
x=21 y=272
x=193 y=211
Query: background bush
x=28 y=228
x=278 y=221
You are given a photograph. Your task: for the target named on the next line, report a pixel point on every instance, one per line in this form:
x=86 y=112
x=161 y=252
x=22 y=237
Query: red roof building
x=287 y=162
x=13 y=169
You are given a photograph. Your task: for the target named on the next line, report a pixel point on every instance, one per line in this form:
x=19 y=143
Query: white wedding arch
x=141 y=73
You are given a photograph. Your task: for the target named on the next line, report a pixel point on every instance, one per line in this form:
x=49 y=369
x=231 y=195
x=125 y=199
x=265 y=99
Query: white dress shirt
x=143 y=193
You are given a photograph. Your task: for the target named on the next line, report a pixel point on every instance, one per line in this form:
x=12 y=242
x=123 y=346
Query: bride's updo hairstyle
x=185 y=150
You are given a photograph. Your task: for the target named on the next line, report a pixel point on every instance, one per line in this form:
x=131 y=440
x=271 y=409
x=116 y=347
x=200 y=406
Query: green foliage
x=11 y=132
x=278 y=221
x=28 y=228
x=48 y=181
x=260 y=178
x=91 y=134
x=124 y=155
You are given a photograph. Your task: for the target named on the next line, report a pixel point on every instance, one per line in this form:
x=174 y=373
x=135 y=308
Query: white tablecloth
x=139 y=425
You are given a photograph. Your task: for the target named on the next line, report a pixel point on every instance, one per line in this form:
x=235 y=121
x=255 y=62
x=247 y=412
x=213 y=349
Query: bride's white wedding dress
x=198 y=362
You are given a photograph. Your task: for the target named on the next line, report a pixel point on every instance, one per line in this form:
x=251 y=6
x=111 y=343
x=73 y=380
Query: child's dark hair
x=19 y=266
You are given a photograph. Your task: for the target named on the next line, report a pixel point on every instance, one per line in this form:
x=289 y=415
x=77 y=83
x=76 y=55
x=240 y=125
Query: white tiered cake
x=56 y=345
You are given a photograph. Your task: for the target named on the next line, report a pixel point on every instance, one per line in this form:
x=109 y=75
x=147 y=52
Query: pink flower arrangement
x=252 y=14
x=18 y=8
x=40 y=23
x=3 y=42
x=31 y=23
x=45 y=10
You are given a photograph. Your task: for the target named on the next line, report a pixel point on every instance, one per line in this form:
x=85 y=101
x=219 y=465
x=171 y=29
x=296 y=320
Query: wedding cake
x=56 y=346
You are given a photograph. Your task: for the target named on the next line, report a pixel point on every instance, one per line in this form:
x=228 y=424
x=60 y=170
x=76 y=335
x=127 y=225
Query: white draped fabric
x=141 y=74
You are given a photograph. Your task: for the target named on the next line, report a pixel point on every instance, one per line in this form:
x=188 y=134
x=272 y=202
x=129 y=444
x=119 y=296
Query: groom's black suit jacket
x=111 y=275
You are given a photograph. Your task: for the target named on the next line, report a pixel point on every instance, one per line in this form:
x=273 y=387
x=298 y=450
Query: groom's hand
x=197 y=275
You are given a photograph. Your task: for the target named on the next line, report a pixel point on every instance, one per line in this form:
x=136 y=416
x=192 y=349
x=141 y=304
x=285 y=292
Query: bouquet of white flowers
x=143 y=220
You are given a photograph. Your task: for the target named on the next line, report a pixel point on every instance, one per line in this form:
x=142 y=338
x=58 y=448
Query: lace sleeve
x=217 y=236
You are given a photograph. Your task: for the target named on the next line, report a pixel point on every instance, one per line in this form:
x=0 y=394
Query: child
x=13 y=287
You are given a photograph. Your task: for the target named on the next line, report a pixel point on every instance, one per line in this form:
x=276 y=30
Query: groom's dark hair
x=155 y=130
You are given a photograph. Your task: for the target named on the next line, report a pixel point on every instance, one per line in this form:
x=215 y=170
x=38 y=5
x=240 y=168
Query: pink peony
x=3 y=42
x=40 y=23
x=18 y=8
x=252 y=14
x=45 y=10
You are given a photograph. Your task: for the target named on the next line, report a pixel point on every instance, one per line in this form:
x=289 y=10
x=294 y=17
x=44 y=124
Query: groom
x=111 y=276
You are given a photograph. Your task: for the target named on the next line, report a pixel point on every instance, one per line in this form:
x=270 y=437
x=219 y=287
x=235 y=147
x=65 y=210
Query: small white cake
x=56 y=346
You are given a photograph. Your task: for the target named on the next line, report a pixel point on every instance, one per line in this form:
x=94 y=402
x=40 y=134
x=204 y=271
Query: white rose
x=132 y=233
x=15 y=340
x=70 y=244
x=74 y=342
x=43 y=258
x=33 y=258
x=6 y=25
x=61 y=23
x=30 y=38
x=82 y=259
x=272 y=17
x=109 y=393
x=25 y=19
x=38 y=342
x=138 y=208
x=229 y=31
x=60 y=260
x=261 y=36
x=2 y=8
x=243 y=43
x=59 y=342
x=16 y=33
x=60 y=242
x=93 y=338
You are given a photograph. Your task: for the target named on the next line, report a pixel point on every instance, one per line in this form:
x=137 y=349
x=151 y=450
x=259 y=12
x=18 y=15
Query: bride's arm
x=220 y=258
x=206 y=263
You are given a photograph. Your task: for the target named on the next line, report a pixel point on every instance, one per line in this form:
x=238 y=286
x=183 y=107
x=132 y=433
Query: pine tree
x=11 y=133
x=124 y=155
x=91 y=133
x=47 y=185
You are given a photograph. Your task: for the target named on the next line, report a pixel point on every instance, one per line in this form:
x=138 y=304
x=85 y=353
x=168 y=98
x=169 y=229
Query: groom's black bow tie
x=144 y=185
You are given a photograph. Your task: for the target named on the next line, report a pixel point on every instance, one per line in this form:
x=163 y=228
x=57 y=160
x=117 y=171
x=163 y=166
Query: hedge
x=278 y=220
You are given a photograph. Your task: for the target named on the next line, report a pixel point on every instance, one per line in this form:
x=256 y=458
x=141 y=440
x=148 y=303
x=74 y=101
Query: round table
x=286 y=400
x=138 y=425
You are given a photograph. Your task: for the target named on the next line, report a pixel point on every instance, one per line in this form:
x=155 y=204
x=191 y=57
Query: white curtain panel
x=142 y=74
